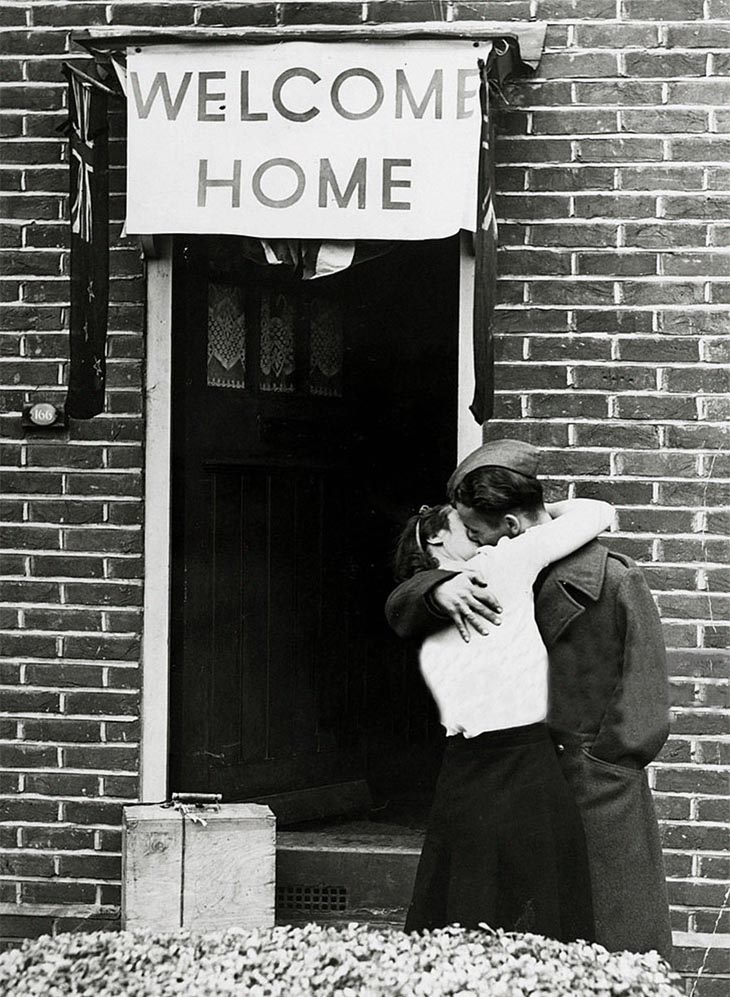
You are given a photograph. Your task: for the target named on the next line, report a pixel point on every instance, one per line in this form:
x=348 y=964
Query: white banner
x=304 y=140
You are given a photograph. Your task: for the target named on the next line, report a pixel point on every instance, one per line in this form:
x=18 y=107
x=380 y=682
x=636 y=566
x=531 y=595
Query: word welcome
x=173 y=96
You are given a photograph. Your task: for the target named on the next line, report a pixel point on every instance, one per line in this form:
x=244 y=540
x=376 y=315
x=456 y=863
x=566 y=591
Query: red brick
x=31 y=98
x=101 y=647
x=60 y=837
x=237 y=15
x=61 y=784
x=86 y=731
x=665 y=10
x=322 y=13
x=643 y=293
x=509 y=10
x=569 y=178
x=30 y=152
x=532 y=150
x=616 y=492
x=91 y=866
x=118 y=732
x=65 y=512
x=691 y=781
x=124 y=568
x=106 y=922
x=617 y=264
x=70 y=14
x=58 y=893
x=712 y=960
x=578 y=65
x=573 y=235
x=109 y=894
x=611 y=322
x=616 y=35
x=124 y=678
x=660 y=349
x=29 y=591
x=105 y=483
x=564 y=405
x=671 y=807
x=28 y=811
x=63 y=566
x=102 y=703
x=570 y=292
x=660 y=463
x=614 y=378
x=527 y=376
x=125 y=787
x=573 y=349
x=711 y=920
x=175 y=15
x=93 y=812
x=21 y=865
x=707 y=35
x=667 y=176
x=29 y=701
x=104 y=594
x=103 y=541
x=102 y=757
x=60 y=620
x=670 y=120
x=619 y=93
x=26 y=926
x=573 y=121
x=656 y=521
x=614 y=206
x=655 y=407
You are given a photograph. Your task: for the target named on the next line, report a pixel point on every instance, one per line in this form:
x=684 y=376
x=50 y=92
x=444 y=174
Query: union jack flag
x=82 y=151
x=89 y=216
x=485 y=264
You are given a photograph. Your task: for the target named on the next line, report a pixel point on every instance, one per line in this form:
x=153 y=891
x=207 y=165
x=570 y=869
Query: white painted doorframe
x=156 y=621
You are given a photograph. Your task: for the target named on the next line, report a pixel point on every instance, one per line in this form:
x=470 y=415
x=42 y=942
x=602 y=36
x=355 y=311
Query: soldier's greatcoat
x=608 y=712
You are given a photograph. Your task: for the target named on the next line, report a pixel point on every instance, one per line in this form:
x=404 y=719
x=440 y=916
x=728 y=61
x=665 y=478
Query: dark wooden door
x=309 y=417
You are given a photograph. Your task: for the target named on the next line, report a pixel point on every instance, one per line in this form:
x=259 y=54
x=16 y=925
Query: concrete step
x=358 y=871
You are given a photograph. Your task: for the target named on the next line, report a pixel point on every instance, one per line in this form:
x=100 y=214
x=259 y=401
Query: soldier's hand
x=467 y=601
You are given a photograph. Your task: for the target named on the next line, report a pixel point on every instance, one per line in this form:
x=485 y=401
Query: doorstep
x=357 y=871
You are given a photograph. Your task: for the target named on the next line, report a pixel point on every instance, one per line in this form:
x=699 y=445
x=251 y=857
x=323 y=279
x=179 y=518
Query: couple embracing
x=544 y=652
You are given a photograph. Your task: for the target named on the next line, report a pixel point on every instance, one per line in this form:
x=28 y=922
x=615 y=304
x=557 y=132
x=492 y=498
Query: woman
x=504 y=845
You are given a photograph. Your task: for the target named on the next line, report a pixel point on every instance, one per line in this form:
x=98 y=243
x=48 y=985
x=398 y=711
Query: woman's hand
x=467 y=601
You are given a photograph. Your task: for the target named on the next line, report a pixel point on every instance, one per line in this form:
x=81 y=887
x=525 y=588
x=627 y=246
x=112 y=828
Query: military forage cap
x=513 y=455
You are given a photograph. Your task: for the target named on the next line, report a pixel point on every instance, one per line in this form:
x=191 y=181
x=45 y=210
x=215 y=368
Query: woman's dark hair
x=411 y=552
x=495 y=491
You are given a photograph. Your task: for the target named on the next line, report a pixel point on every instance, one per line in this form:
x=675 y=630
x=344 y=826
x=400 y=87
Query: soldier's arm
x=429 y=600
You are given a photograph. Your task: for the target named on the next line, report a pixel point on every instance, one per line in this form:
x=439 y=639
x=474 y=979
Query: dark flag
x=485 y=264
x=89 y=210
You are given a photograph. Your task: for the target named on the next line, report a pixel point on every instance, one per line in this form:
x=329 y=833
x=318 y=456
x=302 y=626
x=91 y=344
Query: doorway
x=309 y=419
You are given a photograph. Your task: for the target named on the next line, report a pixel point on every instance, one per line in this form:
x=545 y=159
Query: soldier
x=607 y=704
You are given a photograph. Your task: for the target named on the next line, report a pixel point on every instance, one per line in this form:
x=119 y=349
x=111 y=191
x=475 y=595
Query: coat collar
x=556 y=607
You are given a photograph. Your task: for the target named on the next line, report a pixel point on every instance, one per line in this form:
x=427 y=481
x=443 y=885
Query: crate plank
x=178 y=872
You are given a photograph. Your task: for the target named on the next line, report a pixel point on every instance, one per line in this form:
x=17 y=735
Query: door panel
x=310 y=418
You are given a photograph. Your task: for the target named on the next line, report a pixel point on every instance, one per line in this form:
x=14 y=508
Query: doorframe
x=154 y=738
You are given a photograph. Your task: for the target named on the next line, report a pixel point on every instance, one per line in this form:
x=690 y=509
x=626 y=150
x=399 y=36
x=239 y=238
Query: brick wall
x=613 y=356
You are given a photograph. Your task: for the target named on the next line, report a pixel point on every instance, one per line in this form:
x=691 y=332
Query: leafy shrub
x=354 y=961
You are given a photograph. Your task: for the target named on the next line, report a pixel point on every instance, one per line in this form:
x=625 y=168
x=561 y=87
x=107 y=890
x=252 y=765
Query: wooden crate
x=178 y=872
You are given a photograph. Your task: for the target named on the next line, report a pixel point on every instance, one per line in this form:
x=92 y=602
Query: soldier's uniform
x=608 y=714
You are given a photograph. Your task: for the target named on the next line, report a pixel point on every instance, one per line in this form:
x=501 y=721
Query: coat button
x=560 y=748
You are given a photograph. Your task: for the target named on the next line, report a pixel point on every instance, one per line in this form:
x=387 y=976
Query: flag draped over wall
x=485 y=267
x=89 y=211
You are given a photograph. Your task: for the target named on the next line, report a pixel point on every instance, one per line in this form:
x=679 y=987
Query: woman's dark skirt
x=504 y=845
